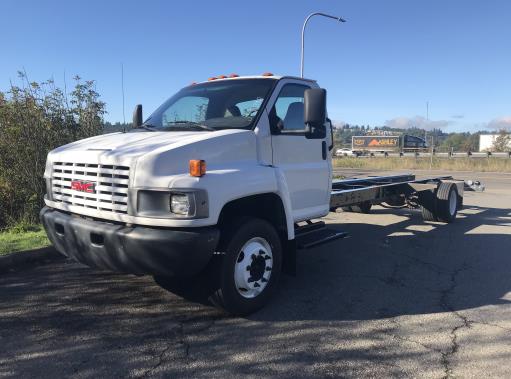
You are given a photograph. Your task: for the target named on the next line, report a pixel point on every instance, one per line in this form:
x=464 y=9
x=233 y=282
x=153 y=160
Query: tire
x=364 y=207
x=248 y=278
x=446 y=202
x=427 y=214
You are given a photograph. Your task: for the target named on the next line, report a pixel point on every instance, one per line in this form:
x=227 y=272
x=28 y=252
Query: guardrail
x=449 y=155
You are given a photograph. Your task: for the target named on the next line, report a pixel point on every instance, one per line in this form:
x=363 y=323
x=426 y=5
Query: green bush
x=34 y=119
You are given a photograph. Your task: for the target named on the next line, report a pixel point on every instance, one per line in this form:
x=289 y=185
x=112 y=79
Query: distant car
x=345 y=152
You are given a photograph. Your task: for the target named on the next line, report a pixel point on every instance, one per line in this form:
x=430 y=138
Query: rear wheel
x=364 y=207
x=447 y=202
x=428 y=213
x=441 y=205
x=251 y=267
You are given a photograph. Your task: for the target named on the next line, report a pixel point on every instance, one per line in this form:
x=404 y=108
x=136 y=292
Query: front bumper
x=136 y=250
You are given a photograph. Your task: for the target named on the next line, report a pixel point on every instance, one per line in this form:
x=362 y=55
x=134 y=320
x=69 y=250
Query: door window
x=287 y=113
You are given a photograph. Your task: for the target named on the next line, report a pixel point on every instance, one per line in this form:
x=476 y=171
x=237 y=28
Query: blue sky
x=380 y=67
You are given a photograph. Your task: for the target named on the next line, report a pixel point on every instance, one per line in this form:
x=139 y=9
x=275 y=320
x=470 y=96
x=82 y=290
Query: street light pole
x=303 y=31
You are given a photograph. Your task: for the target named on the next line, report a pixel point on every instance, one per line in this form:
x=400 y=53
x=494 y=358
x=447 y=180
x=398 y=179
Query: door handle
x=323 y=150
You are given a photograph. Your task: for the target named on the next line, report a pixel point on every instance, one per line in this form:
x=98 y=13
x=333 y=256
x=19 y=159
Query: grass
x=29 y=237
x=454 y=164
x=20 y=239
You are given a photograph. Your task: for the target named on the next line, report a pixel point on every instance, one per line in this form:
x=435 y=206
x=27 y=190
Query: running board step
x=318 y=236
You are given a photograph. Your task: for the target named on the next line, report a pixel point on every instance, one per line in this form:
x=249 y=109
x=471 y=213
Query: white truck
x=224 y=178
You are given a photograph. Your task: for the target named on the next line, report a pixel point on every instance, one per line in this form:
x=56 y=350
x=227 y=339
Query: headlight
x=181 y=204
x=174 y=204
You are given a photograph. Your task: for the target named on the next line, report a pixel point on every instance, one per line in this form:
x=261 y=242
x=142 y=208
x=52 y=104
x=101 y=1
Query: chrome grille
x=110 y=191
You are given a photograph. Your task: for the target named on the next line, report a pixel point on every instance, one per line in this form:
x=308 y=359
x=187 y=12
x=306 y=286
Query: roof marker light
x=267 y=74
x=221 y=76
x=212 y=78
x=234 y=76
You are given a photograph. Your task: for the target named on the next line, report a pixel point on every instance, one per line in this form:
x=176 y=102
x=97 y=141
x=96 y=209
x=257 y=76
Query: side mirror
x=315 y=112
x=137 y=116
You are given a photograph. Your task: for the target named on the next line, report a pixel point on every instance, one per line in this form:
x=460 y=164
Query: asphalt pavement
x=399 y=298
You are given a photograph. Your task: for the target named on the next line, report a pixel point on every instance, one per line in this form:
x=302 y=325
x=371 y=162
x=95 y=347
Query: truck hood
x=132 y=144
x=158 y=153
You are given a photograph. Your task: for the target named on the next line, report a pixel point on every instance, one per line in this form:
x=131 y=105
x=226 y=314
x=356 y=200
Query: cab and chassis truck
x=228 y=179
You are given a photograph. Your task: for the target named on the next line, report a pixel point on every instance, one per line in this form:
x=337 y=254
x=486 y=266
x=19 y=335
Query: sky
x=381 y=67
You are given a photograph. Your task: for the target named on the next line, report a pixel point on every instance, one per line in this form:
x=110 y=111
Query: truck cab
x=214 y=181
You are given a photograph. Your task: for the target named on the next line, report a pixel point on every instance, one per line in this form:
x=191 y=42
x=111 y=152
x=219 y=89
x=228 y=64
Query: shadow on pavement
x=66 y=319
x=404 y=266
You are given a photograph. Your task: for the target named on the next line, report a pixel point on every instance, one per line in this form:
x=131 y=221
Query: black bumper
x=135 y=250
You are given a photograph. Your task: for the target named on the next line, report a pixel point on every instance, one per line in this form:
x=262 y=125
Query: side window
x=287 y=113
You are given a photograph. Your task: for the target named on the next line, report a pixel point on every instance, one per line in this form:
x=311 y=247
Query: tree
x=455 y=141
x=34 y=119
x=502 y=142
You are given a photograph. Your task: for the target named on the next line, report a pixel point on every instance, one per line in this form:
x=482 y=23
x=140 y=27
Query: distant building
x=486 y=142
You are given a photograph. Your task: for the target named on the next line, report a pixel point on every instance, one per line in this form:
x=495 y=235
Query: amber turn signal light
x=197 y=167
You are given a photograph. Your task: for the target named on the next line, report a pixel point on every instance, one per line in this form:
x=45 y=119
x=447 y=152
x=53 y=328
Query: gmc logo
x=78 y=185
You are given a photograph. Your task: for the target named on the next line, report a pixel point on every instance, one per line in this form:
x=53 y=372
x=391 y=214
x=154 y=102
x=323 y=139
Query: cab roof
x=264 y=76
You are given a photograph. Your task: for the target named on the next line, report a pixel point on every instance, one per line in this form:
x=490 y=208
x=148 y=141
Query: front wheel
x=250 y=269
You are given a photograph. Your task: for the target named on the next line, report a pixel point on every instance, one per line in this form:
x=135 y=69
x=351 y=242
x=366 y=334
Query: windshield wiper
x=191 y=123
x=149 y=127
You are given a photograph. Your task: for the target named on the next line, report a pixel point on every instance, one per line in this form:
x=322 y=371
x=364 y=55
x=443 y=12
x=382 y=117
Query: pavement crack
x=159 y=362
x=465 y=322
x=183 y=340
x=447 y=355
x=433 y=266
x=410 y=340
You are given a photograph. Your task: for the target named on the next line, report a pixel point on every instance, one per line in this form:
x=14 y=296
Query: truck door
x=304 y=163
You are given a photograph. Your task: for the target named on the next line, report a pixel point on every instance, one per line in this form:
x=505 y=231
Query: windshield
x=212 y=106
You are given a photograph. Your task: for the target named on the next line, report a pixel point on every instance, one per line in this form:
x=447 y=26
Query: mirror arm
x=330 y=148
x=297 y=132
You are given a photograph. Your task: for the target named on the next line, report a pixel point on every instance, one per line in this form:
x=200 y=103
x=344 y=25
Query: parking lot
x=398 y=298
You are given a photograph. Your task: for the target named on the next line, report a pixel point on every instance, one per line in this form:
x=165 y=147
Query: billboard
x=375 y=142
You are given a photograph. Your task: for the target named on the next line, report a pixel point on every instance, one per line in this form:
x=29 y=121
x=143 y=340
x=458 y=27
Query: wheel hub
x=257 y=267
x=452 y=203
x=253 y=267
